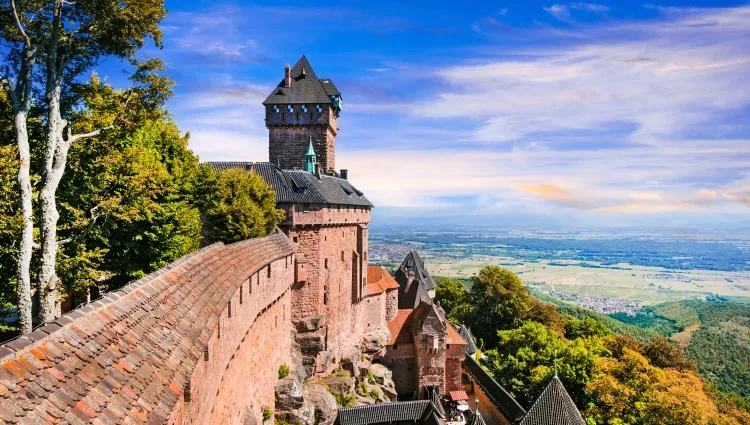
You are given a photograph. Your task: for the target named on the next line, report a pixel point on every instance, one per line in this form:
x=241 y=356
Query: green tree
x=236 y=205
x=127 y=204
x=454 y=299
x=664 y=354
x=10 y=223
x=586 y=328
x=499 y=301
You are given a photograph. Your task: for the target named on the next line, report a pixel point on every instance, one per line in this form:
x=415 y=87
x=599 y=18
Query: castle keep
x=269 y=328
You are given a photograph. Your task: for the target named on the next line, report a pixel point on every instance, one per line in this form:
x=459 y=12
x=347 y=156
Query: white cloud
x=559 y=11
x=597 y=8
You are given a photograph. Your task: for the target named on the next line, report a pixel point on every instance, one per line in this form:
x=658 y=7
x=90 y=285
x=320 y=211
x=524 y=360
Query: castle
x=205 y=340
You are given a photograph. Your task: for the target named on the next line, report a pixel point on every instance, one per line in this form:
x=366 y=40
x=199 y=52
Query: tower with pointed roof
x=301 y=109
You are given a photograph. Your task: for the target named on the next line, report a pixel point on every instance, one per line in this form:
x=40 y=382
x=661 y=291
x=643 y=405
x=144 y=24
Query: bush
x=267 y=413
x=283 y=371
x=236 y=205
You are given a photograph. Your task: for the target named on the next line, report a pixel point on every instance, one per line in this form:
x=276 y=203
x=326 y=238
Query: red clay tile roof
x=401 y=334
x=396 y=326
x=379 y=280
x=127 y=357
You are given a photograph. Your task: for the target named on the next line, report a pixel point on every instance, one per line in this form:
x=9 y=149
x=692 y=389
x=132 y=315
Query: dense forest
x=715 y=334
x=613 y=377
x=97 y=184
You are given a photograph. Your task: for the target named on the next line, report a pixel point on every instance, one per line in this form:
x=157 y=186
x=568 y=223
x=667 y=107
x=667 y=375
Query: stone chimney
x=287 y=76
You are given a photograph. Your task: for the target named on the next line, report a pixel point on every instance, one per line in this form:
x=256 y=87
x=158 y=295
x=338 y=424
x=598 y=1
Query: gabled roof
x=465 y=333
x=418 y=412
x=297 y=186
x=305 y=88
x=477 y=419
x=413 y=263
x=553 y=407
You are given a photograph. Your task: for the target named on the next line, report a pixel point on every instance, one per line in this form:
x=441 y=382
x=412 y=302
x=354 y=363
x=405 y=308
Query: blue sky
x=519 y=112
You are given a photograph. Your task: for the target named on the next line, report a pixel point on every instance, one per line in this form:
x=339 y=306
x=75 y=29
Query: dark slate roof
x=419 y=412
x=410 y=295
x=140 y=343
x=306 y=87
x=414 y=263
x=553 y=407
x=499 y=397
x=329 y=87
x=477 y=419
x=465 y=333
x=296 y=186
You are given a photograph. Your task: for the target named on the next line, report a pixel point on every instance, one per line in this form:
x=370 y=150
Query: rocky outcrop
x=374 y=343
x=323 y=402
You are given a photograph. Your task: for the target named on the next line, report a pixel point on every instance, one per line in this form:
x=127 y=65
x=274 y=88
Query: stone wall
x=400 y=359
x=246 y=350
x=181 y=345
x=289 y=135
x=490 y=413
x=372 y=312
x=321 y=214
x=454 y=358
x=391 y=304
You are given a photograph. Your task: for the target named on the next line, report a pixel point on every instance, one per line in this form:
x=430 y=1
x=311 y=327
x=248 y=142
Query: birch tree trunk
x=26 y=244
x=21 y=94
x=49 y=305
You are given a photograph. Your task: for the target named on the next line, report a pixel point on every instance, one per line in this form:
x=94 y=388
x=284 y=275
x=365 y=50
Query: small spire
x=555 y=361
x=310 y=158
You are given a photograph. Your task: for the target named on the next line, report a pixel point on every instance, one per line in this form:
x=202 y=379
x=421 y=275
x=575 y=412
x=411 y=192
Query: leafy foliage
x=283 y=371
x=614 y=378
x=499 y=301
x=720 y=345
x=452 y=296
x=236 y=205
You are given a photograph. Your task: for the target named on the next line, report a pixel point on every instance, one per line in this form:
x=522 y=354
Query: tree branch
x=18 y=23
x=74 y=138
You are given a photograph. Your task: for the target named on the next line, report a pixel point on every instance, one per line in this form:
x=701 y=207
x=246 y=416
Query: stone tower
x=302 y=108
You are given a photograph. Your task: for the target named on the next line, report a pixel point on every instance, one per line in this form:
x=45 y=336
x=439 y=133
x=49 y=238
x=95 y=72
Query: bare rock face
x=382 y=375
x=324 y=403
x=323 y=361
x=311 y=343
x=288 y=394
x=340 y=384
x=374 y=343
x=364 y=400
x=311 y=323
x=305 y=415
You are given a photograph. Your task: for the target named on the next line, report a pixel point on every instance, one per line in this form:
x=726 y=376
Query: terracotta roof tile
x=125 y=358
x=379 y=280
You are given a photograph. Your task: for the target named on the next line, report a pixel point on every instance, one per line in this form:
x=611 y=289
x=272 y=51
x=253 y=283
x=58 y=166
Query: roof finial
x=310 y=158
x=555 y=361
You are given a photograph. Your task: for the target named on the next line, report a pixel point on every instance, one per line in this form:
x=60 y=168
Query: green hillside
x=640 y=333
x=715 y=334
